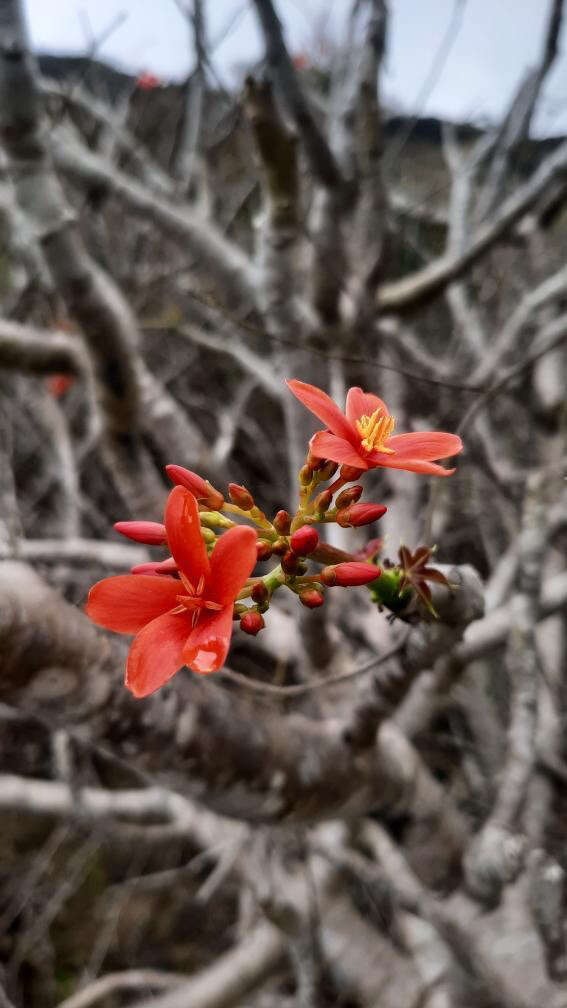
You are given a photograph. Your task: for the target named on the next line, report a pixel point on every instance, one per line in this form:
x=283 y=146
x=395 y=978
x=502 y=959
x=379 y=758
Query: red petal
x=127 y=602
x=359 y=403
x=184 y=534
x=426 y=445
x=156 y=653
x=232 y=561
x=323 y=444
x=207 y=645
x=408 y=464
x=323 y=407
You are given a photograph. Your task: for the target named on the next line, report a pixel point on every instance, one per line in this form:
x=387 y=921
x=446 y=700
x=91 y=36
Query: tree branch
x=319 y=154
x=425 y=284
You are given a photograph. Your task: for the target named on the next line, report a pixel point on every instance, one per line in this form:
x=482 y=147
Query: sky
x=492 y=44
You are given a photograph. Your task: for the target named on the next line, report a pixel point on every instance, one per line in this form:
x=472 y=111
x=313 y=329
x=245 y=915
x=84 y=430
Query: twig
x=495 y=856
x=319 y=154
x=127 y=980
x=301 y=689
x=424 y=284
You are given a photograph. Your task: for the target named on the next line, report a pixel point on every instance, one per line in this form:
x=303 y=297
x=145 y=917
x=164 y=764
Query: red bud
x=150 y=533
x=313 y=462
x=240 y=496
x=168 y=566
x=328 y=470
x=279 y=547
x=349 y=575
x=252 y=623
x=322 y=501
x=349 y=473
x=349 y=496
x=290 y=562
x=360 y=514
x=282 y=522
x=304 y=540
x=198 y=486
x=263 y=549
x=311 y=598
x=259 y=592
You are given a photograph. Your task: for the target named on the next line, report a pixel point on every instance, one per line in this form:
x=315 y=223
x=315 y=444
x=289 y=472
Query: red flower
x=362 y=436
x=57 y=384
x=147 y=81
x=177 y=622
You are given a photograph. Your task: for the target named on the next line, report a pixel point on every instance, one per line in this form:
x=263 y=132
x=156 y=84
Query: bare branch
x=407 y=293
x=194 y=93
x=552 y=287
x=257 y=368
x=516 y=124
x=224 y=261
x=232 y=976
x=91 y=296
x=38 y=630
x=23 y=348
x=463 y=170
x=77 y=551
x=127 y=980
x=319 y=154
x=495 y=856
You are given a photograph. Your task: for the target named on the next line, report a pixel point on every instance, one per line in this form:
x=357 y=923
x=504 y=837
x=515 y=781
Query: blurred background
x=198 y=200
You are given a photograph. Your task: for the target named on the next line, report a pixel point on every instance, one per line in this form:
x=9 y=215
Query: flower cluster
x=182 y=609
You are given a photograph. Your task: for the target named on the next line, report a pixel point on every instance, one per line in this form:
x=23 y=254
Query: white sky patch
x=496 y=42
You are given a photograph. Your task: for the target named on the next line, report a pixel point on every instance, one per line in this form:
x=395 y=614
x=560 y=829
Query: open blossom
x=362 y=436
x=178 y=621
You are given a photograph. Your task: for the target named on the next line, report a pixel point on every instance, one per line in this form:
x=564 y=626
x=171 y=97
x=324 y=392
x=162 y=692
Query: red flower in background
x=57 y=384
x=147 y=81
x=300 y=61
x=178 y=621
x=362 y=436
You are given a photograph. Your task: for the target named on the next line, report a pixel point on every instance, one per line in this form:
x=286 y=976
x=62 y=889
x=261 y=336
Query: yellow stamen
x=375 y=430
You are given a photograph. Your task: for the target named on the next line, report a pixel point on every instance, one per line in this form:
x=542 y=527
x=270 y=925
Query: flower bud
x=311 y=598
x=328 y=470
x=349 y=575
x=213 y=520
x=150 y=533
x=168 y=566
x=350 y=473
x=199 y=487
x=305 y=475
x=282 y=522
x=259 y=592
x=252 y=623
x=313 y=462
x=240 y=496
x=360 y=514
x=349 y=496
x=304 y=540
x=263 y=549
x=322 y=502
x=280 y=546
x=290 y=562
x=208 y=535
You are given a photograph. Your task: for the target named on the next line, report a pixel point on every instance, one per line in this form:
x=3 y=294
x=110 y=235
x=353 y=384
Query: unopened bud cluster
x=301 y=560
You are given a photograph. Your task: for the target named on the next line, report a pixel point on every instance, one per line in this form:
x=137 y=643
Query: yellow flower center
x=375 y=430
